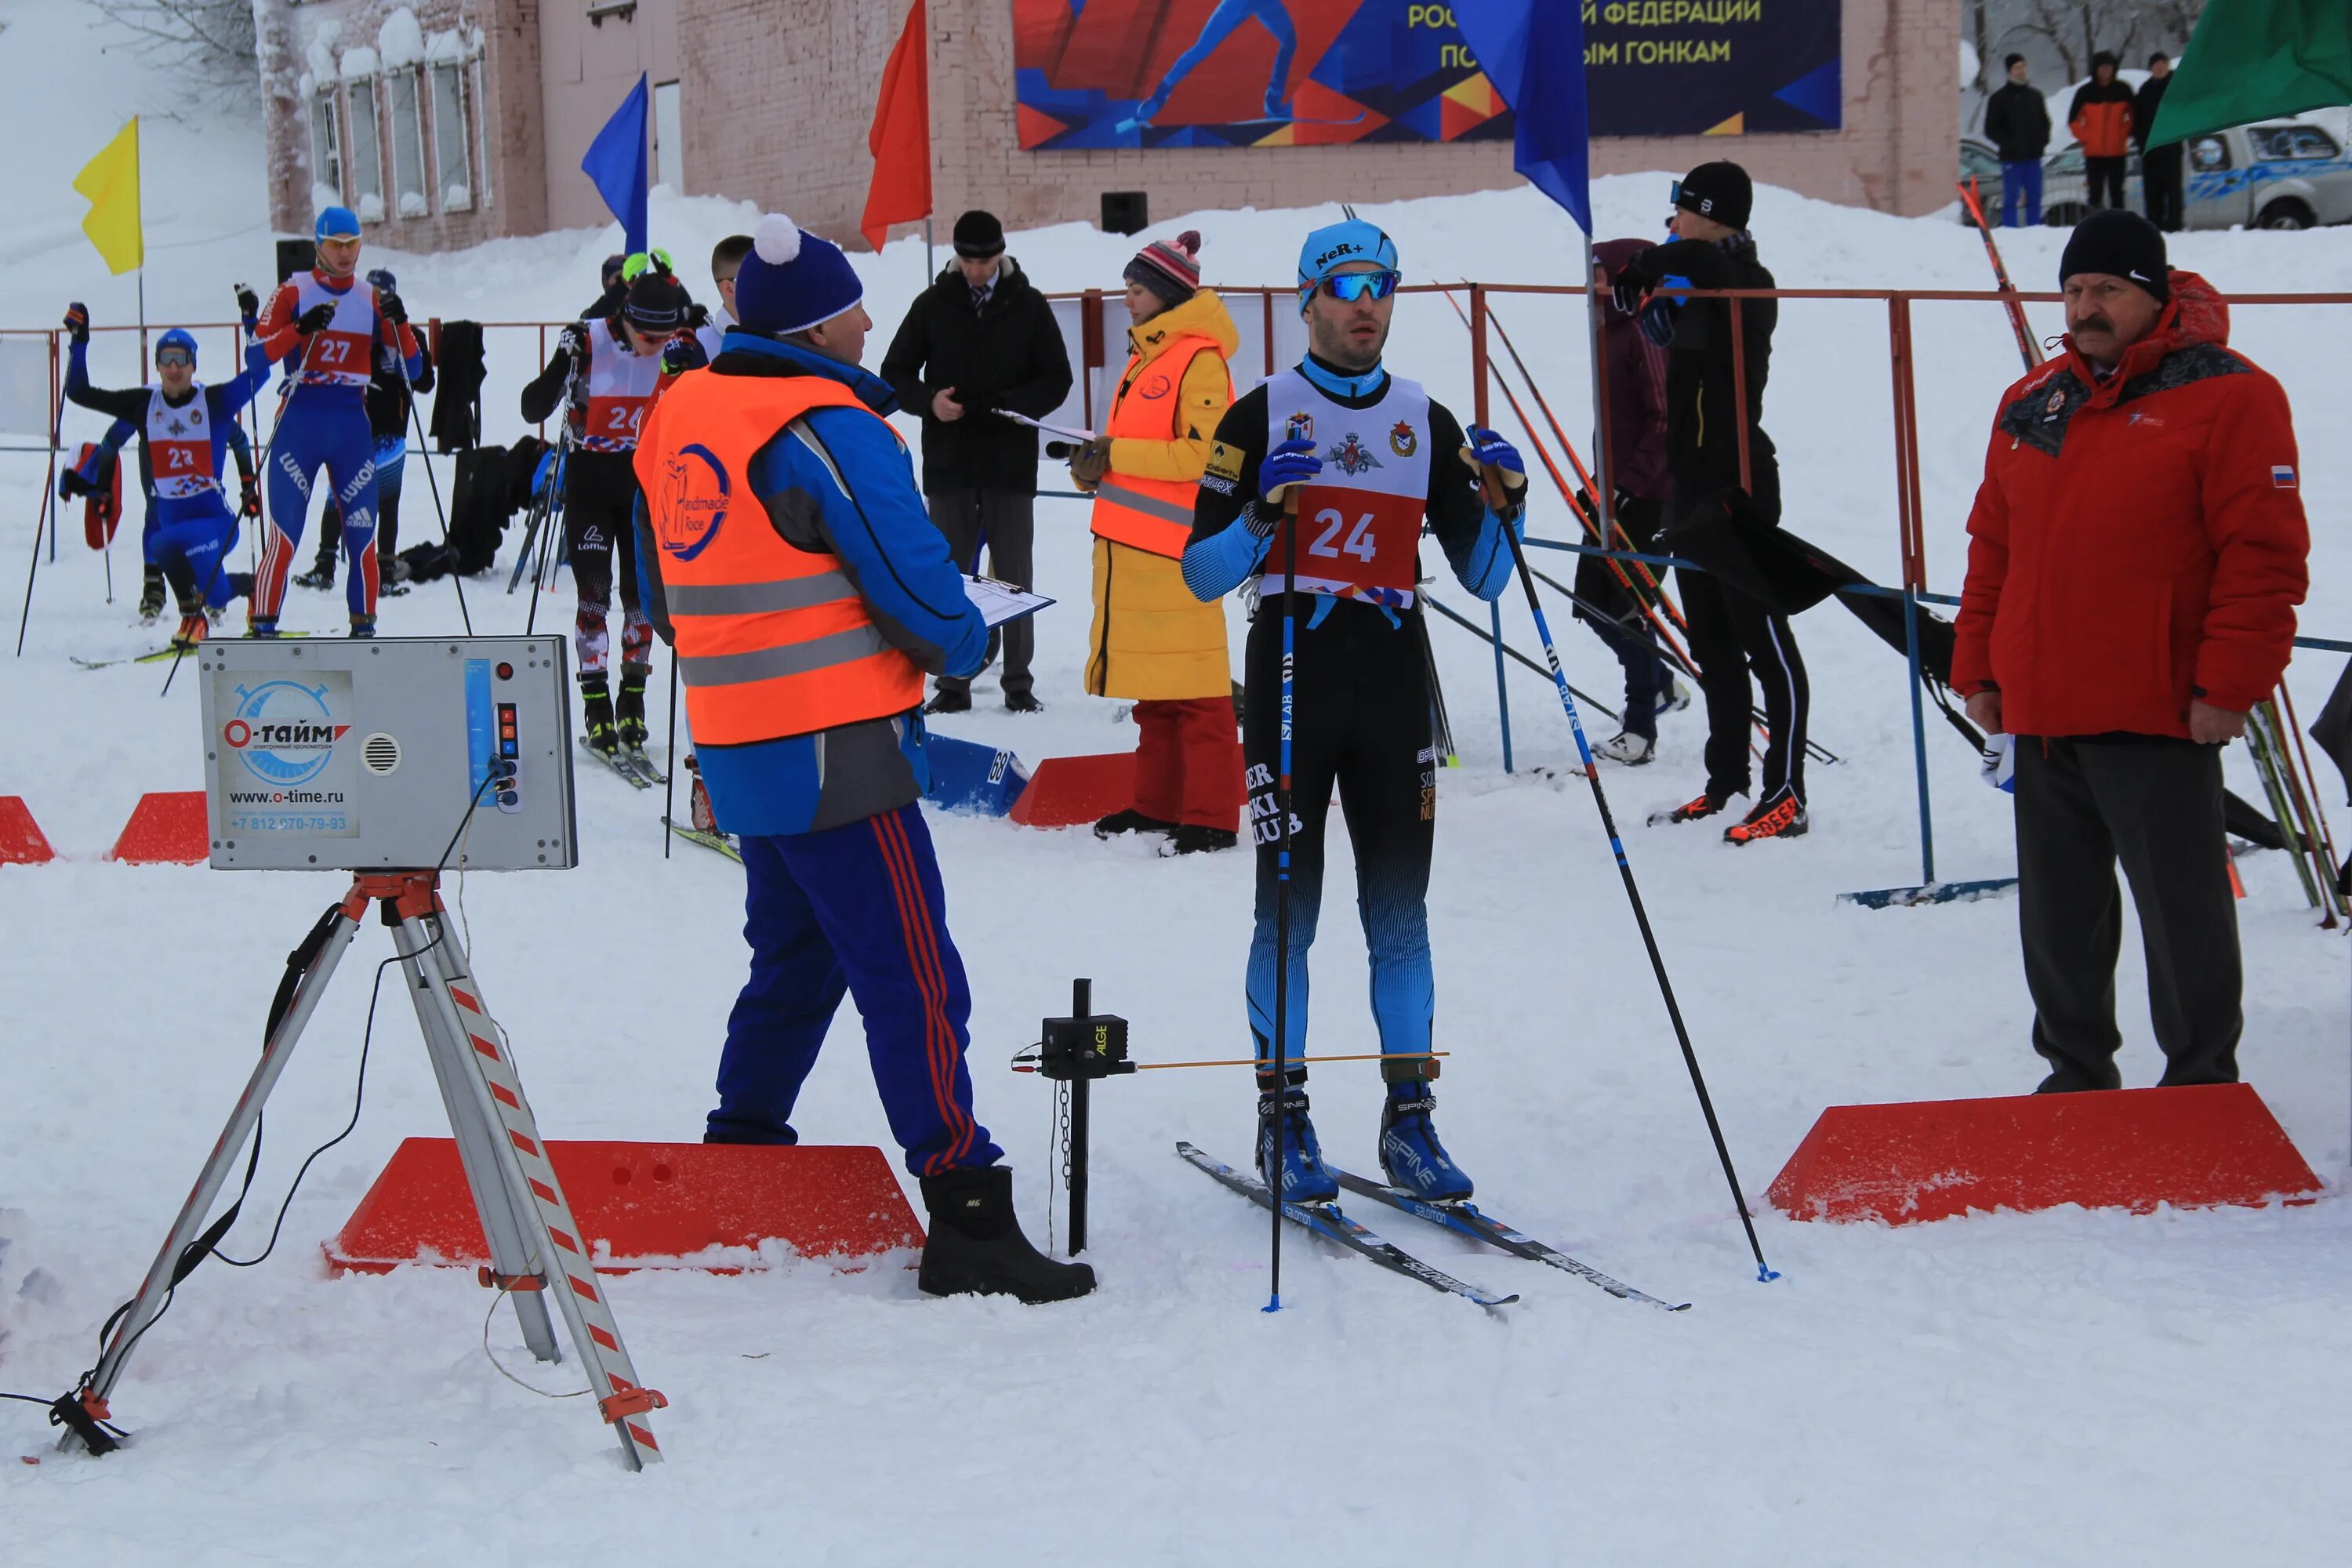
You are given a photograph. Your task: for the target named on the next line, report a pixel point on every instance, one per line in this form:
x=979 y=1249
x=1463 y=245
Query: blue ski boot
x=1410 y=1153
x=1305 y=1178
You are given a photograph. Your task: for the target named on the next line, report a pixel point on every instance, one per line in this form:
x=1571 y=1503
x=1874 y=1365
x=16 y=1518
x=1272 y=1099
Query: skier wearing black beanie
x=1717 y=484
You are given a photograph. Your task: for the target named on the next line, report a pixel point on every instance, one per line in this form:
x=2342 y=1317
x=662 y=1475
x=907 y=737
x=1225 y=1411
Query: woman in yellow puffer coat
x=1152 y=641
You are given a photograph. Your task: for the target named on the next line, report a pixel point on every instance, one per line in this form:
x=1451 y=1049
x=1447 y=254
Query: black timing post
x=1076 y=1050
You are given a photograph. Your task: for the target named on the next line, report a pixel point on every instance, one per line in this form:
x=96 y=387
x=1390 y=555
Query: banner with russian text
x=1275 y=73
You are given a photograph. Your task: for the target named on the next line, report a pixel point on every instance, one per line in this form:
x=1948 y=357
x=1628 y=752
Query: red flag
x=900 y=139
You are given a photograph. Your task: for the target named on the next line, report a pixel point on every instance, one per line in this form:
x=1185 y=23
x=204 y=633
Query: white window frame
x=410 y=78
x=481 y=112
x=355 y=90
x=326 y=162
x=453 y=118
x=669 y=151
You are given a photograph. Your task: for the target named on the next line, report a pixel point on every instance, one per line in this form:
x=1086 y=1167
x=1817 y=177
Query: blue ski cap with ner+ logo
x=1330 y=248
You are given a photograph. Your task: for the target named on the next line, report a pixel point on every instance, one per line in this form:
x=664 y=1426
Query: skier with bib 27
x=1366 y=458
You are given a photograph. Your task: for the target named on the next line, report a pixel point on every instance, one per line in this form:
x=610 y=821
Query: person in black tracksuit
x=2159 y=167
x=979 y=339
x=606 y=374
x=1730 y=633
x=1374 y=457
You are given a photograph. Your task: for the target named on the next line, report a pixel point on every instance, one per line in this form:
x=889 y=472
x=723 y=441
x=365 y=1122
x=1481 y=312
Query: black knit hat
x=2105 y=57
x=1721 y=191
x=656 y=302
x=2120 y=241
x=978 y=236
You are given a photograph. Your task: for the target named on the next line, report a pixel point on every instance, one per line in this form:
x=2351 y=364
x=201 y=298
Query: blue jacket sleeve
x=230 y=396
x=1484 y=566
x=1217 y=564
x=116 y=434
x=871 y=516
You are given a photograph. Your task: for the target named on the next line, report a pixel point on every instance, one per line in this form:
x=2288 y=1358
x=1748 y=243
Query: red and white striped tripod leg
x=622 y=1400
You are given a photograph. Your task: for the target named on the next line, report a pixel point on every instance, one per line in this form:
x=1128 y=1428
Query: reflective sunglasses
x=1354 y=285
x=181 y=357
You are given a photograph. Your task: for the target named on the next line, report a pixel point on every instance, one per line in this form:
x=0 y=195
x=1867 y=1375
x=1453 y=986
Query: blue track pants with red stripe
x=855 y=911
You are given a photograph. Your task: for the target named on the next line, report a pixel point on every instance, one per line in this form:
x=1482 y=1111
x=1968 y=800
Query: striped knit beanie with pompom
x=1169 y=268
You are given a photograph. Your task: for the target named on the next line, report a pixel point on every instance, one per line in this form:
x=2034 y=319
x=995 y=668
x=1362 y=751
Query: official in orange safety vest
x=789 y=561
x=1152 y=641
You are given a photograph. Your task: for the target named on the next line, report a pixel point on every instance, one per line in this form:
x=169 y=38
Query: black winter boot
x=631 y=717
x=976 y=1247
x=596 y=710
x=151 y=597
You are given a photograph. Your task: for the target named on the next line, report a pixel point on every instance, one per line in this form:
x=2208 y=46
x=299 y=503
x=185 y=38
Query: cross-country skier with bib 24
x=183 y=427
x=1369 y=458
x=331 y=322
x=788 y=560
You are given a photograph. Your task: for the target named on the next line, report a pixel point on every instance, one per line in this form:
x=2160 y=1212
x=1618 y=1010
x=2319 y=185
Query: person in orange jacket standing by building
x=2101 y=120
x=1152 y=641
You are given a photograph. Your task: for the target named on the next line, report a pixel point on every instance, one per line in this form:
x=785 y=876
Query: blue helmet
x=1335 y=245
x=336 y=223
x=177 y=338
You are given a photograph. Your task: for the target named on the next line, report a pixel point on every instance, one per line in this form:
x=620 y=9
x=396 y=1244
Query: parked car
x=2277 y=174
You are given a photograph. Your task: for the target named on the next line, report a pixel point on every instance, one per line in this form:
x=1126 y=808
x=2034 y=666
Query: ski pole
x=1483 y=634
x=670 y=762
x=1490 y=478
x=425 y=456
x=557 y=478
x=48 y=488
x=1282 y=882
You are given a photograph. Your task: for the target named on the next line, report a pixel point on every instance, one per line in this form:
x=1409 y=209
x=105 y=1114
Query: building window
x=669 y=138
x=404 y=89
x=326 y=154
x=366 y=152
x=453 y=162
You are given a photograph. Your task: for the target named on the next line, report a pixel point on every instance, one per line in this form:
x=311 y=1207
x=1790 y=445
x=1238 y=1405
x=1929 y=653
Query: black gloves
x=78 y=322
x=390 y=304
x=248 y=303
x=573 y=341
x=315 y=319
x=1629 y=289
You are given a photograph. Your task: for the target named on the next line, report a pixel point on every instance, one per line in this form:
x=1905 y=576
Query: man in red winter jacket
x=2135 y=557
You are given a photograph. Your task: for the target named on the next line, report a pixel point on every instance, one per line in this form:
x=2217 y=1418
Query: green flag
x=2258 y=60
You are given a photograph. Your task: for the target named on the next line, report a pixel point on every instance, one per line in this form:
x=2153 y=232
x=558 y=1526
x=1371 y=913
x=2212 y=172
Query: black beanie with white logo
x=2120 y=242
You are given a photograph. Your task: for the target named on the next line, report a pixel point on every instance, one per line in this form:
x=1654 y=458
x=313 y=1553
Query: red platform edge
x=22 y=842
x=692 y=1206
x=166 y=829
x=1069 y=791
x=2128 y=1149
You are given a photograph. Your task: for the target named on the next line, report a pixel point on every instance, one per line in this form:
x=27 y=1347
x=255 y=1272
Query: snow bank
x=359 y=62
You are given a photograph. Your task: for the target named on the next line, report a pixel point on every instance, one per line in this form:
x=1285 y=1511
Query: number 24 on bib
x=1350 y=541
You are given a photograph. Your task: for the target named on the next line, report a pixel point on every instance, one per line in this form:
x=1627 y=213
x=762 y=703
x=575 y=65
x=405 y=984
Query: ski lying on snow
x=159 y=654
x=1466 y=1220
x=619 y=762
x=646 y=768
x=719 y=842
x=1326 y=1220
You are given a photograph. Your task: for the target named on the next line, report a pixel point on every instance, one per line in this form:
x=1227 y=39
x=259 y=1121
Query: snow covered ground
x=2062 y=1388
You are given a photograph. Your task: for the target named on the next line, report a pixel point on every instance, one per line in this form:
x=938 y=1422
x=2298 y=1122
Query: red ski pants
x=1187 y=766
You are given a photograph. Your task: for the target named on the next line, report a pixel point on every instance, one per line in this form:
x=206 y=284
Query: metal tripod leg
x=519 y=1154
x=275 y=1053
x=506 y=1213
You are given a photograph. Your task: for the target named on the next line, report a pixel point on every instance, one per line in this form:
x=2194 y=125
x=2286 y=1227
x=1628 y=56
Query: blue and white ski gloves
x=1293 y=462
x=1502 y=472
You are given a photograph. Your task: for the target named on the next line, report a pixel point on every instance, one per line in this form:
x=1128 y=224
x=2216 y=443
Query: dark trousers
x=1361 y=724
x=1731 y=635
x=1006 y=522
x=1636 y=648
x=2102 y=182
x=2154 y=805
x=2159 y=174
x=1616 y=617
x=855 y=911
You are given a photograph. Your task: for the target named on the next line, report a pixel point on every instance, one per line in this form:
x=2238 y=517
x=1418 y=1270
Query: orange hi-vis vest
x=772 y=640
x=1153 y=515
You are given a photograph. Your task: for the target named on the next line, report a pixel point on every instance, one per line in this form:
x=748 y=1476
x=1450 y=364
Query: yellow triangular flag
x=110 y=182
